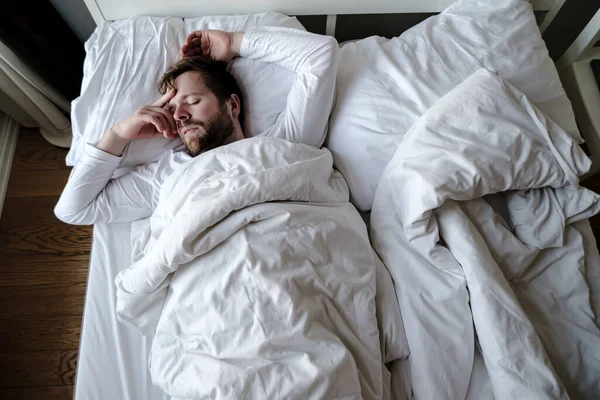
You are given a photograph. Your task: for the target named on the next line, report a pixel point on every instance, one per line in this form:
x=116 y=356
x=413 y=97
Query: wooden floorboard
x=23 y=270
x=35 y=153
x=40 y=301
x=24 y=211
x=43 y=273
x=41 y=393
x=67 y=367
x=29 y=227
x=30 y=369
x=25 y=333
x=53 y=239
x=30 y=183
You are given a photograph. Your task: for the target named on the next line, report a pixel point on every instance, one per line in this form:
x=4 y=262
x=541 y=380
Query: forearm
x=78 y=203
x=292 y=49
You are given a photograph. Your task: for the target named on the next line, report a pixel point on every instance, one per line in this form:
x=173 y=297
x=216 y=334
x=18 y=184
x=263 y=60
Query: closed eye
x=194 y=102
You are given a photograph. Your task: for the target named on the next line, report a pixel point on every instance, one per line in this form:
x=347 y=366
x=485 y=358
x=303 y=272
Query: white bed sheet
x=113 y=359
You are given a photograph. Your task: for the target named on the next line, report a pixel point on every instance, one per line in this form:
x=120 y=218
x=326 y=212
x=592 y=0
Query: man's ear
x=235 y=105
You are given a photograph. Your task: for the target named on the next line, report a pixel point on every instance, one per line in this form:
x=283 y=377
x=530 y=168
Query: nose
x=181 y=114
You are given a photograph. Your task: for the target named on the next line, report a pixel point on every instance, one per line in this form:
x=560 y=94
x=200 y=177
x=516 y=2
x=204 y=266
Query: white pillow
x=383 y=86
x=125 y=60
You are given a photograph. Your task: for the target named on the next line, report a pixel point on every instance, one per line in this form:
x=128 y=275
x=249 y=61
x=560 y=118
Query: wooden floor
x=43 y=273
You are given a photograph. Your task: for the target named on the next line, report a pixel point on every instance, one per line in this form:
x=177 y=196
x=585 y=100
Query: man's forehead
x=190 y=80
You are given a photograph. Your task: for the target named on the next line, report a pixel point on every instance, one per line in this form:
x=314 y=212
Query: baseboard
x=9 y=132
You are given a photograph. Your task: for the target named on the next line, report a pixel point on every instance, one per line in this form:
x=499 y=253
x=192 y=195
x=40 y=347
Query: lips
x=188 y=130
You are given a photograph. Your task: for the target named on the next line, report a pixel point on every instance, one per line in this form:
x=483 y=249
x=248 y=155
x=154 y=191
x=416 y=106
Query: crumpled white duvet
x=256 y=276
x=505 y=273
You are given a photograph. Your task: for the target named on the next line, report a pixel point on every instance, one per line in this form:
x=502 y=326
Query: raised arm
x=313 y=58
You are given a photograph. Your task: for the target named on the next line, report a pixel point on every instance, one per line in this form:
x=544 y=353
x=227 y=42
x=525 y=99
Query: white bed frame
x=110 y=10
x=580 y=84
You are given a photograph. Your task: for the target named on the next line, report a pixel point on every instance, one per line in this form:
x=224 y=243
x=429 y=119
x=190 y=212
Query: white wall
x=77 y=16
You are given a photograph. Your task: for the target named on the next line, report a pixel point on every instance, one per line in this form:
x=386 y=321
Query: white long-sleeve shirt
x=92 y=195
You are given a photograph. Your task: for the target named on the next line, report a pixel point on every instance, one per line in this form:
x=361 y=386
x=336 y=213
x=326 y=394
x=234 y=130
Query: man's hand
x=149 y=121
x=213 y=44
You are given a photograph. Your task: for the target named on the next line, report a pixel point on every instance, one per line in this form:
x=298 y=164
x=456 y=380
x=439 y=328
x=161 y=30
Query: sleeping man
x=202 y=104
x=252 y=271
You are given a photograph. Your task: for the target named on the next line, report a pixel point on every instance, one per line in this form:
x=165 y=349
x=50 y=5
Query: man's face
x=202 y=123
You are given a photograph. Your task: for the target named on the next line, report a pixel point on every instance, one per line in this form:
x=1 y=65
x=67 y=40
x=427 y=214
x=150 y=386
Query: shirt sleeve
x=314 y=60
x=92 y=196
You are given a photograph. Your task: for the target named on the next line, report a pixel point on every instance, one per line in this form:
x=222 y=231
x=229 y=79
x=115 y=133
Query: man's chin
x=193 y=141
x=193 y=148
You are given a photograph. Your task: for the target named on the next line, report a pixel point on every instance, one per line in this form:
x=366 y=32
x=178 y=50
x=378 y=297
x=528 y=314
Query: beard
x=217 y=131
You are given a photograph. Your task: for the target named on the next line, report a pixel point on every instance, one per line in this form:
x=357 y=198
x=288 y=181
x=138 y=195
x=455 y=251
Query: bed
x=113 y=359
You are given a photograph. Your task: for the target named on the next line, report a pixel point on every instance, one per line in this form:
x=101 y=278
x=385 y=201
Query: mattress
x=113 y=359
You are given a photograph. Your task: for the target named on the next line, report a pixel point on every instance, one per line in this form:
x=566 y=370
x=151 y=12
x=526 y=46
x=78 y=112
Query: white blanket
x=272 y=289
x=510 y=279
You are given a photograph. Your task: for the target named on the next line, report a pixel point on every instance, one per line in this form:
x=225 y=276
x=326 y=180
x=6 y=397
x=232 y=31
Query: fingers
x=171 y=125
x=204 y=45
x=163 y=115
x=191 y=51
x=189 y=48
x=164 y=99
x=197 y=43
x=192 y=36
x=155 y=121
x=161 y=119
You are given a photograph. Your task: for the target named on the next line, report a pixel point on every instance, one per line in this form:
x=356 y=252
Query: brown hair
x=216 y=78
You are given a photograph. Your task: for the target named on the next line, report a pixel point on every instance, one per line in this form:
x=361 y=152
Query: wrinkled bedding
x=256 y=278
x=481 y=223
